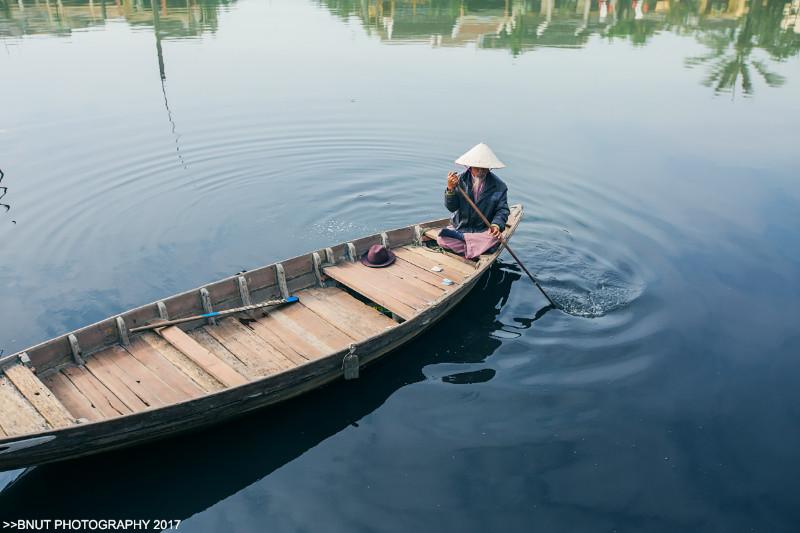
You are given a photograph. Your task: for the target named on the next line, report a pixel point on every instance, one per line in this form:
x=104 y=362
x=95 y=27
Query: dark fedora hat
x=378 y=256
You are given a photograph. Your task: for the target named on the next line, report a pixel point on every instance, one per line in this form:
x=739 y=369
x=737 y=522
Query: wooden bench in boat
x=76 y=394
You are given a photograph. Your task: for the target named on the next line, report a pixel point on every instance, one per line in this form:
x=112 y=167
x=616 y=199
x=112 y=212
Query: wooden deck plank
x=316 y=326
x=150 y=382
x=116 y=381
x=429 y=282
x=424 y=261
x=205 y=359
x=163 y=368
x=292 y=335
x=425 y=274
x=389 y=281
x=358 y=319
x=177 y=358
x=17 y=415
x=264 y=331
x=207 y=341
x=249 y=347
x=40 y=396
x=97 y=393
x=446 y=260
x=379 y=294
x=71 y=397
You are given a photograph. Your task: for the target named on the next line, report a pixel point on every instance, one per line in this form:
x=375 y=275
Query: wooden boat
x=103 y=387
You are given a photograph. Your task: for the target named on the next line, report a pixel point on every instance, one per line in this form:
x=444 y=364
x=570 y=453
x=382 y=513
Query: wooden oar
x=164 y=323
x=505 y=243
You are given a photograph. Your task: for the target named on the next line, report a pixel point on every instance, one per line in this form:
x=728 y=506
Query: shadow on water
x=182 y=476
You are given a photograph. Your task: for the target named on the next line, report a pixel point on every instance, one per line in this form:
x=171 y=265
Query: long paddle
x=505 y=243
x=215 y=314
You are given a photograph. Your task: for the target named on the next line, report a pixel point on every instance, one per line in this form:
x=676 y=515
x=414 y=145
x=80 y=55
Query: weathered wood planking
x=255 y=352
x=40 y=396
x=17 y=415
x=166 y=371
x=428 y=282
x=293 y=334
x=444 y=259
x=397 y=295
x=263 y=330
x=202 y=357
x=207 y=341
x=358 y=319
x=428 y=261
x=181 y=362
x=97 y=393
x=115 y=380
x=142 y=380
x=426 y=275
x=283 y=333
x=72 y=398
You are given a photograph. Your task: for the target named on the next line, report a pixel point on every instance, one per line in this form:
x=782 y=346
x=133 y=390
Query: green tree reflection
x=730 y=62
x=179 y=18
x=743 y=37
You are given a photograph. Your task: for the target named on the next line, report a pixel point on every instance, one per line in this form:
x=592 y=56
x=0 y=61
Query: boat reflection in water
x=182 y=476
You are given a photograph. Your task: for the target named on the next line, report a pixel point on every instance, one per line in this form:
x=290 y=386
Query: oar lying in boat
x=216 y=314
x=488 y=224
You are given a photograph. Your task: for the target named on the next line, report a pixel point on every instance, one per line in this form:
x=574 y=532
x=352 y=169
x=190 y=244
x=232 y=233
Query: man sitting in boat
x=467 y=234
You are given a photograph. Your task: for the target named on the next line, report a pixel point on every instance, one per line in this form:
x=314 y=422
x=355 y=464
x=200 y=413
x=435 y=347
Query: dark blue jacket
x=493 y=203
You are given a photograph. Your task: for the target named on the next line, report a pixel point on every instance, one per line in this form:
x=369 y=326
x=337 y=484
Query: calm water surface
x=151 y=147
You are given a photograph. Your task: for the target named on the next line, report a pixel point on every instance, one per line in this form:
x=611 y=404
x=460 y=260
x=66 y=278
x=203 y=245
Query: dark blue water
x=654 y=146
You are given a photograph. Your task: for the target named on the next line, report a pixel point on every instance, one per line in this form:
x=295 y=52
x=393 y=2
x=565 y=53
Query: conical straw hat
x=480 y=156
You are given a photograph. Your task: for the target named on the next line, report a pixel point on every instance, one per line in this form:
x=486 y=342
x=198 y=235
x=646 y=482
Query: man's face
x=479 y=173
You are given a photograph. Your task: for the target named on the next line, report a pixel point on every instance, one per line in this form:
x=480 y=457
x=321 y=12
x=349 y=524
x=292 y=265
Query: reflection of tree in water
x=732 y=29
x=179 y=18
x=729 y=60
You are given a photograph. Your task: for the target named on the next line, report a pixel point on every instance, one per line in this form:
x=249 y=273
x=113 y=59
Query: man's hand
x=494 y=231
x=452 y=181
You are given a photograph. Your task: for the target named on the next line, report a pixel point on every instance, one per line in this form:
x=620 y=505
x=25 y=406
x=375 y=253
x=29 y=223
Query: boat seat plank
x=73 y=399
x=145 y=379
x=204 y=339
x=379 y=291
x=205 y=359
x=431 y=283
x=97 y=393
x=115 y=379
x=432 y=233
x=161 y=366
x=40 y=396
x=17 y=415
x=446 y=260
x=356 y=318
x=284 y=343
x=458 y=275
x=388 y=279
x=177 y=358
x=249 y=347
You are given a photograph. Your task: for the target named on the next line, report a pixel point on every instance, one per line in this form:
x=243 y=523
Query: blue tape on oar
x=292 y=299
x=207 y=315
